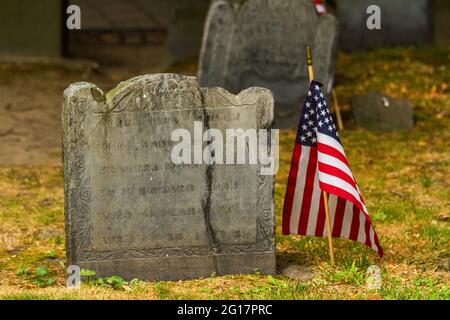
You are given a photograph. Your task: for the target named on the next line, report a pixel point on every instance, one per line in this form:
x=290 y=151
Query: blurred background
x=118 y=39
x=398 y=76
x=119 y=31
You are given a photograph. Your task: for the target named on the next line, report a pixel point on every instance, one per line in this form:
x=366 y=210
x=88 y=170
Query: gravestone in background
x=130 y=211
x=263 y=43
x=403 y=22
x=378 y=112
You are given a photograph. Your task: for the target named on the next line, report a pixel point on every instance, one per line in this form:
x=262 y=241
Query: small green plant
x=380 y=216
x=41 y=272
x=235 y=289
x=426 y=182
x=100 y=282
x=51 y=254
x=42 y=277
x=90 y=274
x=116 y=282
x=350 y=275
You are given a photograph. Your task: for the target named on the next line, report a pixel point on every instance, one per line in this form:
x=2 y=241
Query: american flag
x=320 y=7
x=319 y=164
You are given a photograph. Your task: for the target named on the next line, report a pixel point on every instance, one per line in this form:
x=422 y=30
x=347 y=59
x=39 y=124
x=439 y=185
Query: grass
x=403 y=177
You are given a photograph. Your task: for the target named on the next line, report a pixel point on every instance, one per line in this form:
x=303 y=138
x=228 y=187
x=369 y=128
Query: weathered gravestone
x=378 y=112
x=130 y=211
x=403 y=22
x=263 y=43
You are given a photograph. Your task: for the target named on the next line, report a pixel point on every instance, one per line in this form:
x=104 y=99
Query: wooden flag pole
x=309 y=63
x=338 y=110
x=330 y=238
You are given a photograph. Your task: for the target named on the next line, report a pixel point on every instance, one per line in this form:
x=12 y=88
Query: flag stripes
x=320 y=7
x=319 y=164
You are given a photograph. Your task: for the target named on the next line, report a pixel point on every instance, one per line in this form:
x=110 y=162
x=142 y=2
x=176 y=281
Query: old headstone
x=263 y=43
x=130 y=211
x=403 y=22
x=378 y=112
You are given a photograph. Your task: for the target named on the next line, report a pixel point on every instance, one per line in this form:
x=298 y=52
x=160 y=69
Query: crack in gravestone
x=130 y=212
x=206 y=205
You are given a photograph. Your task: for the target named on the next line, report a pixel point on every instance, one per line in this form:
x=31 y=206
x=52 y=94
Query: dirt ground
x=31 y=97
